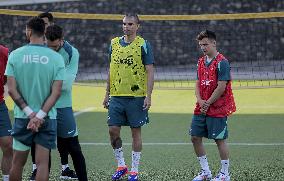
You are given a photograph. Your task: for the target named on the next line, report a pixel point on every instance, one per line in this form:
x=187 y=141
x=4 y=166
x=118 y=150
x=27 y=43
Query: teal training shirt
x=35 y=68
x=71 y=61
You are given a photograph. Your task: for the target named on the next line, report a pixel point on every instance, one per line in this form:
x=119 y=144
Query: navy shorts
x=66 y=124
x=209 y=127
x=46 y=136
x=127 y=111
x=5 y=122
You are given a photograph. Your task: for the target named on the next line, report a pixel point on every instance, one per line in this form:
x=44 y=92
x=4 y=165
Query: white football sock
x=135 y=161
x=118 y=154
x=65 y=166
x=225 y=166
x=204 y=163
x=34 y=167
x=5 y=177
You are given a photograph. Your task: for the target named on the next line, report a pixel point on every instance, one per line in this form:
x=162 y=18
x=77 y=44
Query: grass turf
x=259 y=119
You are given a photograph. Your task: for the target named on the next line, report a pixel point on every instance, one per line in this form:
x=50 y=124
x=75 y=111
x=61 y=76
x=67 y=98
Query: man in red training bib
x=215 y=102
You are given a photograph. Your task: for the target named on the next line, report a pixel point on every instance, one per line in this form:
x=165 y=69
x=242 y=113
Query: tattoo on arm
x=20 y=102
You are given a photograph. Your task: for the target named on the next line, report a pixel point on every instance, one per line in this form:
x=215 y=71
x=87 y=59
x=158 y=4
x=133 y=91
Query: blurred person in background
x=5 y=122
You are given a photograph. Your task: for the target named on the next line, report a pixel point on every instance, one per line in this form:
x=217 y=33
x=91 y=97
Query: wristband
x=41 y=114
x=28 y=111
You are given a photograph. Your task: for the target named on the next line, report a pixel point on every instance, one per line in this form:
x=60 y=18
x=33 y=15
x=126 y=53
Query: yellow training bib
x=127 y=72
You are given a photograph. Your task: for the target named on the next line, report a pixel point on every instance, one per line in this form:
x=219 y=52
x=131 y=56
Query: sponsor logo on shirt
x=128 y=60
x=35 y=58
x=206 y=82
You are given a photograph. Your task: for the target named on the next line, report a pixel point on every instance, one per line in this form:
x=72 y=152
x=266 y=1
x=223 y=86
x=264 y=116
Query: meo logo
x=35 y=59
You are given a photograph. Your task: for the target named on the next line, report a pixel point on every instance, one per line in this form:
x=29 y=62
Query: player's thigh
x=46 y=136
x=116 y=112
x=5 y=123
x=198 y=126
x=135 y=113
x=42 y=154
x=66 y=124
x=20 y=158
x=217 y=128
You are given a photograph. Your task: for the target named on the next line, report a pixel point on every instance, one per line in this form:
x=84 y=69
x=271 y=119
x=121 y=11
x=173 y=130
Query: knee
x=196 y=140
x=136 y=133
x=115 y=139
x=220 y=142
x=7 y=147
x=114 y=132
x=136 y=138
x=60 y=146
x=75 y=148
x=116 y=142
x=72 y=145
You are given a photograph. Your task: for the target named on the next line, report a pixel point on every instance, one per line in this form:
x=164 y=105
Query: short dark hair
x=37 y=26
x=47 y=15
x=135 y=16
x=54 y=32
x=206 y=34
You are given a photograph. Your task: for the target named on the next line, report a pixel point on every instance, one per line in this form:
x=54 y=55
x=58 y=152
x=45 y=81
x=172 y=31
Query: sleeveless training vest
x=208 y=82
x=127 y=72
x=3 y=62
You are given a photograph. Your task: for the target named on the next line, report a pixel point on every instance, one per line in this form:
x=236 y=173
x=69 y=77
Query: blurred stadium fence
x=251 y=41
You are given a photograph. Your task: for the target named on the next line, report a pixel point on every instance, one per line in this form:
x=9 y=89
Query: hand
x=201 y=102
x=147 y=103
x=106 y=101
x=34 y=124
x=31 y=124
x=32 y=115
x=204 y=108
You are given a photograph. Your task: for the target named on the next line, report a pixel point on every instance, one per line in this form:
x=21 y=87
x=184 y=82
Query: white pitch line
x=83 y=111
x=176 y=144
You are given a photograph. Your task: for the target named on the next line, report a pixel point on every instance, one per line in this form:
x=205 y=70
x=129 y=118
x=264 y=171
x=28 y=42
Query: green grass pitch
x=256 y=137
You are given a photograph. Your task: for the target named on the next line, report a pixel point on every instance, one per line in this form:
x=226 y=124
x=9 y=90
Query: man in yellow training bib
x=128 y=93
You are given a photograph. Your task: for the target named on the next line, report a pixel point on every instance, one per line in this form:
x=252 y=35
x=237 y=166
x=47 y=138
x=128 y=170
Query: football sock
x=204 y=163
x=225 y=166
x=135 y=161
x=34 y=167
x=64 y=167
x=118 y=153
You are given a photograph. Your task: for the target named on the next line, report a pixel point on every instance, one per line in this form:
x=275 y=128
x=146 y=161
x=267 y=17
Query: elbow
x=10 y=92
x=57 y=94
x=223 y=88
x=57 y=88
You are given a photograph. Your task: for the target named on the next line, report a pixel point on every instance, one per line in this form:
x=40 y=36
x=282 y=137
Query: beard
x=127 y=32
x=28 y=37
